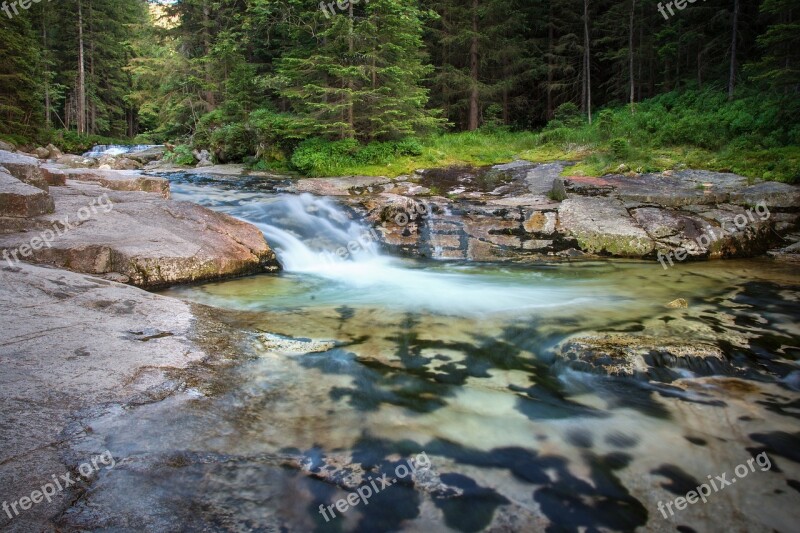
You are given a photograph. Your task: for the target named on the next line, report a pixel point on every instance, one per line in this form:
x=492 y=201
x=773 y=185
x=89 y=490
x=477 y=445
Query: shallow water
x=349 y=368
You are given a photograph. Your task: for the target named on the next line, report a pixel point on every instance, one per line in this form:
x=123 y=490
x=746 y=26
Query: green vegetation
x=388 y=86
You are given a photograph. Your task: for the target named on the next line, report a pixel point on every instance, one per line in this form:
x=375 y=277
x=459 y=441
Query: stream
x=352 y=366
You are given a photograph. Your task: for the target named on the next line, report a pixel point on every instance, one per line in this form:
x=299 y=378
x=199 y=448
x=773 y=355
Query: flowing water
x=351 y=365
x=118 y=149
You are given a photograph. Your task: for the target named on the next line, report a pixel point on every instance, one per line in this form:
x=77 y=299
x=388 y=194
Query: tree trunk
x=47 y=121
x=734 y=34
x=350 y=86
x=473 y=60
x=550 y=37
x=630 y=56
x=211 y=100
x=587 y=60
x=81 y=74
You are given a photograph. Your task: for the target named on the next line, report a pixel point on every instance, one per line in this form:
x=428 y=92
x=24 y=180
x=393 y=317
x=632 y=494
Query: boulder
x=7 y=146
x=153 y=241
x=23 y=168
x=18 y=199
x=603 y=226
x=54 y=152
x=42 y=153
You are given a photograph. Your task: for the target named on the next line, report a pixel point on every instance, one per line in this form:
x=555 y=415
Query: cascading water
x=317 y=237
x=118 y=149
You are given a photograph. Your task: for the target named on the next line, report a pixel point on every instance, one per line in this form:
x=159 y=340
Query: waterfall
x=118 y=149
x=317 y=237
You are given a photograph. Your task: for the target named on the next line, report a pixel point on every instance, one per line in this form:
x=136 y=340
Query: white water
x=117 y=149
x=307 y=231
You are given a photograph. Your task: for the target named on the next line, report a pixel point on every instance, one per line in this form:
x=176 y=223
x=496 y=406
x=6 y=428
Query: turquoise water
x=344 y=371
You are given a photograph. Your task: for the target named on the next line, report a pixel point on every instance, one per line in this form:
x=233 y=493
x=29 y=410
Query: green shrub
x=181 y=155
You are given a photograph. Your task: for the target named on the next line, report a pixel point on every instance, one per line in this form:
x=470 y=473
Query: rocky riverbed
x=93 y=362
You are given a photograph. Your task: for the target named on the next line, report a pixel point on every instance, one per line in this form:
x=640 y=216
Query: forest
x=387 y=86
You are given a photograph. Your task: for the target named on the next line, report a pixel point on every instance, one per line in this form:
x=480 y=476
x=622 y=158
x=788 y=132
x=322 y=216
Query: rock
x=125 y=163
x=42 y=153
x=116 y=277
x=155 y=242
x=18 y=199
x=541 y=223
x=603 y=226
x=63 y=354
x=118 y=180
x=559 y=190
x=640 y=356
x=24 y=168
x=7 y=147
x=674 y=230
x=788 y=254
x=149 y=155
x=340 y=186
x=678 y=303
x=271 y=343
x=76 y=161
x=54 y=153
x=203 y=158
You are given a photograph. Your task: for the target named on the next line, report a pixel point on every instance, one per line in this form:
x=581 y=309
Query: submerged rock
x=640 y=356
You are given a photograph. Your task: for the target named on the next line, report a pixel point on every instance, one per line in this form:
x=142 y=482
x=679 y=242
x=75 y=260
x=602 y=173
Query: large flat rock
x=155 y=242
x=24 y=168
x=604 y=226
x=71 y=342
x=117 y=180
x=18 y=199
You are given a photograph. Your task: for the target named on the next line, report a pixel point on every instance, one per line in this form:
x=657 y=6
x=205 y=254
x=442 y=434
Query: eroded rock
x=603 y=226
x=640 y=356
x=152 y=241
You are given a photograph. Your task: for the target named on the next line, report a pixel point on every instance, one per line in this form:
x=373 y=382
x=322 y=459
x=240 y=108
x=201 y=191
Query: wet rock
x=18 y=199
x=52 y=370
x=24 y=168
x=152 y=241
x=603 y=226
x=640 y=356
x=291 y=346
x=678 y=303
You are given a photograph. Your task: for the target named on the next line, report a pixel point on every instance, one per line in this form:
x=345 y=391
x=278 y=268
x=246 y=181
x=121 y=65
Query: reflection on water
x=346 y=374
